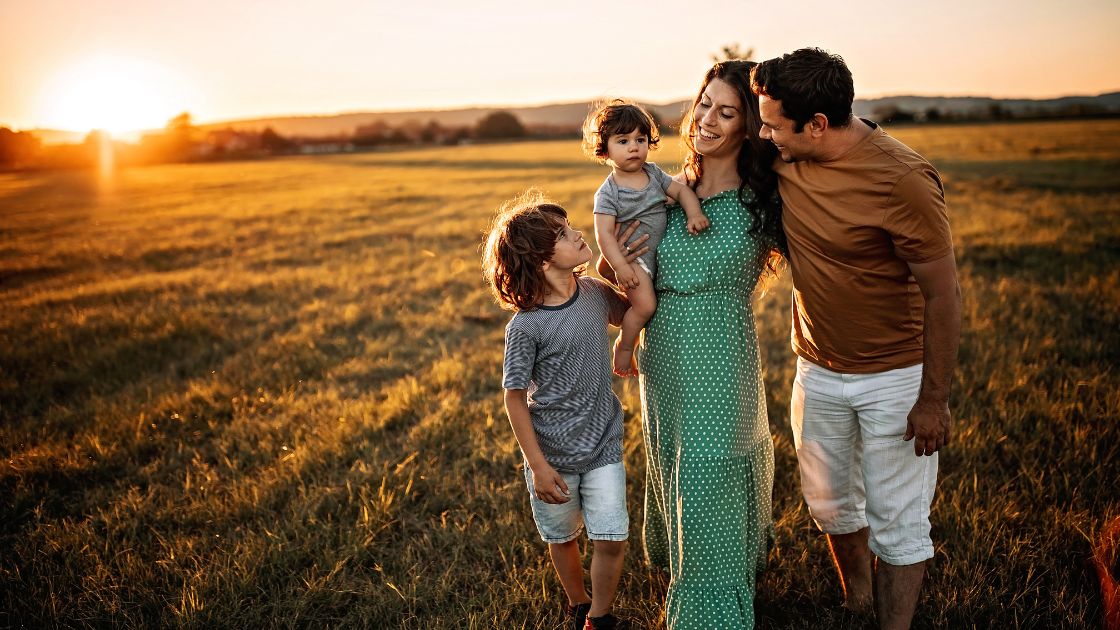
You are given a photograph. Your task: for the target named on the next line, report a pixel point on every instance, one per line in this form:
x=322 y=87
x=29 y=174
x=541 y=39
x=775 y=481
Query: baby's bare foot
x=624 y=362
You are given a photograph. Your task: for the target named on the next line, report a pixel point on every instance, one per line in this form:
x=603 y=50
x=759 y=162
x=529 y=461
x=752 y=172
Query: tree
x=432 y=132
x=181 y=136
x=274 y=142
x=497 y=125
x=732 y=52
x=892 y=113
x=17 y=148
x=997 y=112
x=181 y=125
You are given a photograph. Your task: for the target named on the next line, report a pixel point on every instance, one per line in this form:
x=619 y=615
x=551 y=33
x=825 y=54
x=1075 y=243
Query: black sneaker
x=578 y=614
x=606 y=622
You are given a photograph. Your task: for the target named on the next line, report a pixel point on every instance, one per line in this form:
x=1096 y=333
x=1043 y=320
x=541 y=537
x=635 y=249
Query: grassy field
x=267 y=394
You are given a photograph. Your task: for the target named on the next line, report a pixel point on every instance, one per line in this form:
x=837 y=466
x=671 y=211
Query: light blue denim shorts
x=598 y=501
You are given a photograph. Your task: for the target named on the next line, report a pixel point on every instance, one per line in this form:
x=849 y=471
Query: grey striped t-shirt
x=562 y=356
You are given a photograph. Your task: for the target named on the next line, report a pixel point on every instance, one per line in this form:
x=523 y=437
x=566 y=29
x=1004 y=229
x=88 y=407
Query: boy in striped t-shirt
x=557 y=380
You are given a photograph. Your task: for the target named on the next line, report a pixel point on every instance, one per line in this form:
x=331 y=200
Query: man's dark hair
x=807 y=81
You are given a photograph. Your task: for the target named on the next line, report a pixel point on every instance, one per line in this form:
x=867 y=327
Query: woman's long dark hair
x=754 y=162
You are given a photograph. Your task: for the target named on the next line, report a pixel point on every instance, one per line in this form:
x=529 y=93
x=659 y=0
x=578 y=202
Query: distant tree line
x=183 y=141
x=992 y=112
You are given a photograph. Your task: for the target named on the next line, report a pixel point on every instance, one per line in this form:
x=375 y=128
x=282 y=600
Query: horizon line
x=533 y=105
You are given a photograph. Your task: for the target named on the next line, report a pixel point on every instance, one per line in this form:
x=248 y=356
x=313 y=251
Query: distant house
x=229 y=141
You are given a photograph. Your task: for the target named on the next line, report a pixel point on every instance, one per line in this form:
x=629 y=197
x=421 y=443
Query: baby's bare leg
x=643 y=301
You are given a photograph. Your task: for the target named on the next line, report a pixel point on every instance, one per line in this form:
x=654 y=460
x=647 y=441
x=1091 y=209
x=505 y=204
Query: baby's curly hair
x=617 y=116
x=521 y=239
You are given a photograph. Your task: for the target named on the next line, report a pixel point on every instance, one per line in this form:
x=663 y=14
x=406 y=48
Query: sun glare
x=114 y=94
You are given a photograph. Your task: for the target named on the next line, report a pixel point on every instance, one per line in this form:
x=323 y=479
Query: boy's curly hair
x=617 y=116
x=522 y=238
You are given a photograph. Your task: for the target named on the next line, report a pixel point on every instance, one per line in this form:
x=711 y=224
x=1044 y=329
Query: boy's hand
x=549 y=486
x=698 y=224
x=627 y=277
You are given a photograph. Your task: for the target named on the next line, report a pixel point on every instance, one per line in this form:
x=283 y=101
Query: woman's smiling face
x=718 y=125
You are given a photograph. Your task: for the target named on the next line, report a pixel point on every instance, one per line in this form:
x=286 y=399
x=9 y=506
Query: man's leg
x=900 y=488
x=898 y=589
x=828 y=443
x=853 y=563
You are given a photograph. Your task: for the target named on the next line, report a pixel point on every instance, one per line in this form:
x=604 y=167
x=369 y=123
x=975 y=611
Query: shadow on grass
x=78 y=188
x=1082 y=176
x=1048 y=265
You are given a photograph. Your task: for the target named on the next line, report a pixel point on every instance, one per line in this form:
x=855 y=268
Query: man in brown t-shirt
x=876 y=323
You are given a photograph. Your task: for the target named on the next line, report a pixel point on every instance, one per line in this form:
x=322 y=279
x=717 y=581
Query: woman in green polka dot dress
x=710 y=468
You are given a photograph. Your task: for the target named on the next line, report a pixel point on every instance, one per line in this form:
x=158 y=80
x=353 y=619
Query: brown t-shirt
x=853 y=224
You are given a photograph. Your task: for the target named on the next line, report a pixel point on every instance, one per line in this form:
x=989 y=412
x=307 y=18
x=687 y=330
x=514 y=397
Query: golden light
x=115 y=94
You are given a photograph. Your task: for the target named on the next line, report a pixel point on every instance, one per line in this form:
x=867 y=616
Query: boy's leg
x=568 y=562
x=606 y=569
x=560 y=526
x=603 y=492
x=643 y=301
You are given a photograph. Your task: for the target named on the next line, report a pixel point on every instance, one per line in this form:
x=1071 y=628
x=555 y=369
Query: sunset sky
x=128 y=64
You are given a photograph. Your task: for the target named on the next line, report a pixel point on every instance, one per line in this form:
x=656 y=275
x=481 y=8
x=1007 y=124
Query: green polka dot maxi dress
x=710 y=458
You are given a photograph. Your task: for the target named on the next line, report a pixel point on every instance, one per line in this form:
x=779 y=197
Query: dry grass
x=266 y=394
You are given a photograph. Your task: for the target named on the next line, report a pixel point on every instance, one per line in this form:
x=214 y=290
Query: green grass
x=267 y=394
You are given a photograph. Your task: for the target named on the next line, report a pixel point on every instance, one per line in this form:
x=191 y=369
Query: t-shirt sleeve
x=605 y=200
x=916 y=218
x=521 y=354
x=663 y=179
x=616 y=306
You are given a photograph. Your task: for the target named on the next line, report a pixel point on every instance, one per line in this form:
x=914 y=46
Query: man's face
x=792 y=146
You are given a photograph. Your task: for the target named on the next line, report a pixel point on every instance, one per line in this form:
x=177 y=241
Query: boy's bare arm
x=548 y=485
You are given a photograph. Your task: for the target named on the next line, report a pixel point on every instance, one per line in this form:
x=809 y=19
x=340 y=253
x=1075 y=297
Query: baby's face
x=628 y=151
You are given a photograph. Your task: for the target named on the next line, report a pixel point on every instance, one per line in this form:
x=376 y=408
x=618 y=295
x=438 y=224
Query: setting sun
x=113 y=94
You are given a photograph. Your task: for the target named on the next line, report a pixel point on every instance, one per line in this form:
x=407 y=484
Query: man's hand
x=549 y=486
x=928 y=425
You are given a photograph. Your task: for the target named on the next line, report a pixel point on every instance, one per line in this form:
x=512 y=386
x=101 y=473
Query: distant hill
x=560 y=114
x=572 y=114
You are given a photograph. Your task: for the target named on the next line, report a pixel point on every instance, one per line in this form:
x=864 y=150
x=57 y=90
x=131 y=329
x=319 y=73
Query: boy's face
x=570 y=250
x=628 y=151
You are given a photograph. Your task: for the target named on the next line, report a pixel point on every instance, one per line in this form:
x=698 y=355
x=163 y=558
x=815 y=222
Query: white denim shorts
x=856 y=470
x=598 y=500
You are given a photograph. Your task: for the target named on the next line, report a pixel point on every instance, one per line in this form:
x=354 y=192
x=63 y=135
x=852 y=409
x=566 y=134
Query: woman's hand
x=632 y=249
